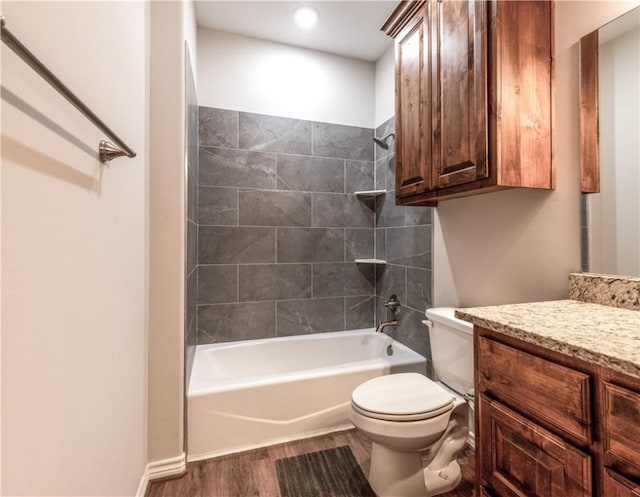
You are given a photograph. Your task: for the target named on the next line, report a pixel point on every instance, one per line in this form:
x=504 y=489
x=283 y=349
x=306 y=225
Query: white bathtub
x=254 y=393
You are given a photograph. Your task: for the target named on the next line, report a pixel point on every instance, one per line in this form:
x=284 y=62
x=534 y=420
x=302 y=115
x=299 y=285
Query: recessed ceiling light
x=306 y=17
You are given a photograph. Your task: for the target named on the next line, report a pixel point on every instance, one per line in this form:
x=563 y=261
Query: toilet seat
x=401 y=397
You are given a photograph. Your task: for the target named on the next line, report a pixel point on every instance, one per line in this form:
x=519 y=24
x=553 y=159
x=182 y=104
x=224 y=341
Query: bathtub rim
x=288 y=338
x=257 y=380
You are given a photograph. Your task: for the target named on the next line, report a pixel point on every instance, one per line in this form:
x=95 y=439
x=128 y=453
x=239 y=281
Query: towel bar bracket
x=108 y=151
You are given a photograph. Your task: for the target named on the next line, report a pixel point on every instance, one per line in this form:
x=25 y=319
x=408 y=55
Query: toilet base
x=444 y=480
x=401 y=474
x=395 y=473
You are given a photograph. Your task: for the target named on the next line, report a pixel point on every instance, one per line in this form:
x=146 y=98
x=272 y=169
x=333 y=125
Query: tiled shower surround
x=279 y=228
x=403 y=238
x=191 y=274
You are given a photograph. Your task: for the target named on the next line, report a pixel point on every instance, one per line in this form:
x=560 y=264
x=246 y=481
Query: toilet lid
x=410 y=396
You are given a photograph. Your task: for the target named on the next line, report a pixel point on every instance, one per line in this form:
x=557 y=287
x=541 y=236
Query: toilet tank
x=451 y=348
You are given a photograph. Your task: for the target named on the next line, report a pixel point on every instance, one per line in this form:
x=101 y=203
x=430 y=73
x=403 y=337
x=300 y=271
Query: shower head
x=382 y=142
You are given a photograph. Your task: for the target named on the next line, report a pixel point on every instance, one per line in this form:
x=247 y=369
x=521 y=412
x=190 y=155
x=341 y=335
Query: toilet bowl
x=418 y=426
x=417 y=429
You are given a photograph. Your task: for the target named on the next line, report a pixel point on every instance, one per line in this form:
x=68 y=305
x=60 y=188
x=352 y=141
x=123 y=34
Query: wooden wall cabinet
x=474 y=95
x=549 y=425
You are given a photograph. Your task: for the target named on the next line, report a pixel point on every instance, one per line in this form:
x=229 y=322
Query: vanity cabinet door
x=618 y=486
x=622 y=429
x=521 y=459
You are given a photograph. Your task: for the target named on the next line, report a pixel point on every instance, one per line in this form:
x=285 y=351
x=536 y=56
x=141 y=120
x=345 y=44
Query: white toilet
x=408 y=416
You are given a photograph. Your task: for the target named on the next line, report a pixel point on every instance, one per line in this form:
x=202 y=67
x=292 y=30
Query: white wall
x=167 y=232
x=251 y=75
x=614 y=213
x=74 y=356
x=385 y=87
x=191 y=33
x=518 y=245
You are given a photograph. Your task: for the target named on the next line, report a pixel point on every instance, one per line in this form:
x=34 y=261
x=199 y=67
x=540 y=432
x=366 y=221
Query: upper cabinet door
x=413 y=103
x=521 y=93
x=459 y=95
x=474 y=97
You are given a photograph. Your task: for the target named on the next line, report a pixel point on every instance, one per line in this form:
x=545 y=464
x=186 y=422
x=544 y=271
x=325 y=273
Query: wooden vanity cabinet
x=550 y=425
x=474 y=92
x=521 y=458
x=618 y=486
x=621 y=419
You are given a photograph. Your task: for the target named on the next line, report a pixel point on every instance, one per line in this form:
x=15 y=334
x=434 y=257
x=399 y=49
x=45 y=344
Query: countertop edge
x=533 y=338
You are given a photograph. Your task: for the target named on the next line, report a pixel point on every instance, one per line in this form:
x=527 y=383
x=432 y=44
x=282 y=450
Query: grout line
x=406 y=215
x=287 y=300
x=344 y=177
x=272 y=190
x=237 y=283
x=375 y=170
x=344 y=238
x=386 y=251
x=302 y=263
x=275 y=316
x=287 y=227
x=237 y=206
x=245 y=188
x=238 y=129
x=344 y=312
x=375 y=243
x=195 y=268
x=197 y=200
x=275 y=241
x=406 y=285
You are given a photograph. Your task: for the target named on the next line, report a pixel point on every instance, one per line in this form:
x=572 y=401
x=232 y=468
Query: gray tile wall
x=279 y=227
x=191 y=273
x=403 y=238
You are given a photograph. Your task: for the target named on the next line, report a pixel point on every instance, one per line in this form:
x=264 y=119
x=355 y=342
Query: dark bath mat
x=326 y=473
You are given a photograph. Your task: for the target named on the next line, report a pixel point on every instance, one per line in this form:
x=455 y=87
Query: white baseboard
x=165 y=468
x=174 y=466
x=144 y=482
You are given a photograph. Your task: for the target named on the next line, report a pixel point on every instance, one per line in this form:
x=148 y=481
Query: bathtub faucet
x=383 y=324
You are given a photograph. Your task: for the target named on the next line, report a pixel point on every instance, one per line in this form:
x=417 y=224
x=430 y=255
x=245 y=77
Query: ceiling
x=619 y=26
x=349 y=28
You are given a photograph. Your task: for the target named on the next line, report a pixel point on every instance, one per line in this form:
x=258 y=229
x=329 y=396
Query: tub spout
x=383 y=324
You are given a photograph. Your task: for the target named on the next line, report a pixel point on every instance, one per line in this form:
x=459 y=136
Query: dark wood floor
x=253 y=473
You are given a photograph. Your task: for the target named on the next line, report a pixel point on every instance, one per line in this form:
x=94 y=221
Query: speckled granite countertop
x=596 y=333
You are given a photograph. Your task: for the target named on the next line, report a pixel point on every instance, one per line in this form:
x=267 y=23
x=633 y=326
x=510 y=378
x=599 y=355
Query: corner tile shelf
x=370 y=193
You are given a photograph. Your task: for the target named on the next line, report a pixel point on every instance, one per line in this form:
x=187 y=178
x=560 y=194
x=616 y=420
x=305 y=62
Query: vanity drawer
x=555 y=395
x=622 y=429
x=522 y=459
x=617 y=486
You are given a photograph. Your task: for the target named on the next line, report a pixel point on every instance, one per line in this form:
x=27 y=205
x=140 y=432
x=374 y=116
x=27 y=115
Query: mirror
x=610 y=147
